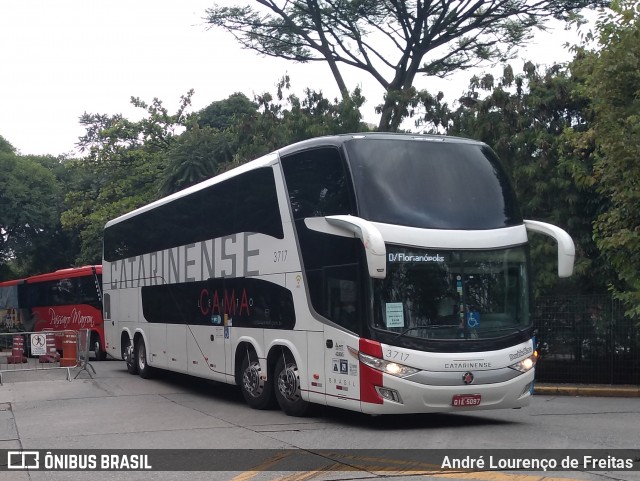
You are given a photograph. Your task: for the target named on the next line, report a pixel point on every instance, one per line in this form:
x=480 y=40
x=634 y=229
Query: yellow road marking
x=477 y=476
x=404 y=467
x=262 y=467
x=312 y=474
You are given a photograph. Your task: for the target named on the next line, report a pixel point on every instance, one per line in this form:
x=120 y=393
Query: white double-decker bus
x=382 y=273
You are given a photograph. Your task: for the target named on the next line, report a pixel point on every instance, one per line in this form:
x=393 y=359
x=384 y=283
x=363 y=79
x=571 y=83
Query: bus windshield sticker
x=473 y=319
x=394 y=314
x=402 y=257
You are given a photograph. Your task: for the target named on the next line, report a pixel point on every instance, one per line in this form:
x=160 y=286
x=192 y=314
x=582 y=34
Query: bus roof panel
x=341 y=139
x=65 y=274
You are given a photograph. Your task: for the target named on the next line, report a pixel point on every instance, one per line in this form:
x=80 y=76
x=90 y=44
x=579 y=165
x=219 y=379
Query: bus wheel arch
x=287 y=384
x=256 y=386
x=128 y=353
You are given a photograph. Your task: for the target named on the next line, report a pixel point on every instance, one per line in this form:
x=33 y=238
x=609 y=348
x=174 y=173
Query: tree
x=6 y=147
x=122 y=170
x=130 y=164
x=286 y=119
x=32 y=191
x=208 y=142
x=392 y=41
x=28 y=200
x=55 y=248
x=612 y=78
x=529 y=119
x=222 y=114
x=197 y=155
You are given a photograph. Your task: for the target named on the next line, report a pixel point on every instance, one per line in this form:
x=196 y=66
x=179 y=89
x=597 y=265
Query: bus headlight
x=526 y=364
x=389 y=367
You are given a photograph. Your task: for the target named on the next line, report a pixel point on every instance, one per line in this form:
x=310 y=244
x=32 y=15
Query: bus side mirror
x=352 y=226
x=566 y=248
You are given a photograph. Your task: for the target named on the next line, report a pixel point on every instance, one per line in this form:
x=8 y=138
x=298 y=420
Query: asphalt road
x=115 y=410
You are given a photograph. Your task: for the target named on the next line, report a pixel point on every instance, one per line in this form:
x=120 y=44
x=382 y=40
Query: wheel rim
x=142 y=356
x=252 y=380
x=288 y=383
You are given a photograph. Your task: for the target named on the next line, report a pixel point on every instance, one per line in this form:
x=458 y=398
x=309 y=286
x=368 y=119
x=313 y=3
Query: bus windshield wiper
x=413 y=328
x=501 y=329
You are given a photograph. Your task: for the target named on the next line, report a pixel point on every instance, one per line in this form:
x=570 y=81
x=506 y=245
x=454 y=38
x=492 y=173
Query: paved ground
x=42 y=410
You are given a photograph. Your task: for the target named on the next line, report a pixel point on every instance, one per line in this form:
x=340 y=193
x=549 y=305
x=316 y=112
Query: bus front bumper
x=419 y=398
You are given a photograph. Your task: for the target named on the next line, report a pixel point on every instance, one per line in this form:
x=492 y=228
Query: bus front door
x=341 y=368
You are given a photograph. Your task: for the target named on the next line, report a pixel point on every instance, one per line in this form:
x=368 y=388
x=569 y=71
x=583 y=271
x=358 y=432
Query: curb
x=586 y=390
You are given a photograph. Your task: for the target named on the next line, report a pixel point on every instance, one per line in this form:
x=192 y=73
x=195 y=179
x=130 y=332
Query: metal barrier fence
x=586 y=340
x=45 y=351
x=583 y=339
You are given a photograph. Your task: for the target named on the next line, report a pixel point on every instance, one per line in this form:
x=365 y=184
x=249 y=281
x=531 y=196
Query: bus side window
x=63 y=292
x=107 y=306
x=318 y=184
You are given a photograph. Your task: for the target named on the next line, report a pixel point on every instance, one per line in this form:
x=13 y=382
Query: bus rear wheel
x=256 y=390
x=144 y=369
x=287 y=389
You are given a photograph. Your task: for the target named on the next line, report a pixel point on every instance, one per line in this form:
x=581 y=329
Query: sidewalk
x=596 y=390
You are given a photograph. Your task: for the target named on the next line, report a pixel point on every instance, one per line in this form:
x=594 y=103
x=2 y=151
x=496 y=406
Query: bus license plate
x=460 y=400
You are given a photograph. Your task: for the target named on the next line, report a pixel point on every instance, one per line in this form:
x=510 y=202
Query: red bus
x=67 y=299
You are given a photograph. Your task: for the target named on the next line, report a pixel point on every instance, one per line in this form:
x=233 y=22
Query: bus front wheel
x=256 y=390
x=287 y=379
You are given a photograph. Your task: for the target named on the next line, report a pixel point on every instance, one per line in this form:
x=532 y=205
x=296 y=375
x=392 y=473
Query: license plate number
x=461 y=400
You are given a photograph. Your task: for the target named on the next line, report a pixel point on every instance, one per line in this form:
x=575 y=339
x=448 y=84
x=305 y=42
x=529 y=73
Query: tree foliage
x=223 y=114
x=28 y=202
x=207 y=143
x=122 y=169
x=285 y=118
x=132 y=163
x=6 y=147
x=528 y=119
x=391 y=41
x=612 y=82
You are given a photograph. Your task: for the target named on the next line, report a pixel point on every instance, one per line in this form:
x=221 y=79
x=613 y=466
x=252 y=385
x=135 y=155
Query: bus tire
x=257 y=391
x=96 y=347
x=144 y=369
x=130 y=356
x=287 y=387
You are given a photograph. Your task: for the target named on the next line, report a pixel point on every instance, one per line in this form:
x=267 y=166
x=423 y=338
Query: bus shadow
x=202 y=387
x=407 y=422
x=228 y=393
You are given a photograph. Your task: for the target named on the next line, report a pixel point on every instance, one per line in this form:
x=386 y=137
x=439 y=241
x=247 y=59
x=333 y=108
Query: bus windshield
x=431 y=184
x=444 y=294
